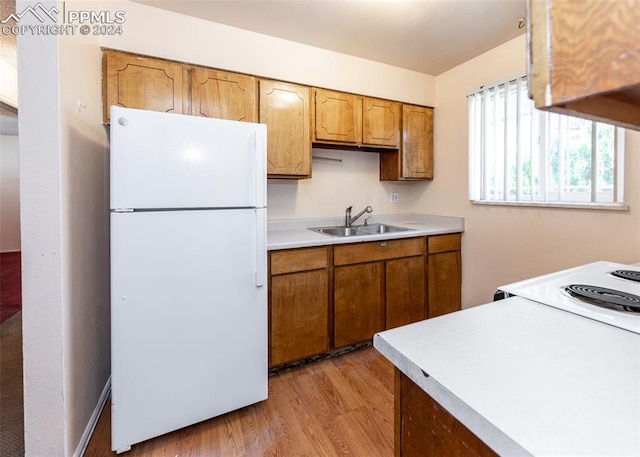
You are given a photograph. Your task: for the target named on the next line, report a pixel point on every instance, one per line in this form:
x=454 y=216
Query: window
x=521 y=155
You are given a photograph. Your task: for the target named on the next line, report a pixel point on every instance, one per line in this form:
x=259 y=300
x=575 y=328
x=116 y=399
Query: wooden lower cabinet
x=424 y=428
x=330 y=297
x=358 y=303
x=405 y=291
x=377 y=285
x=298 y=304
x=445 y=274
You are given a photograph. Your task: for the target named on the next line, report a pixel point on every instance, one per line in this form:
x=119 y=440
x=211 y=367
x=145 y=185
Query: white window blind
x=520 y=154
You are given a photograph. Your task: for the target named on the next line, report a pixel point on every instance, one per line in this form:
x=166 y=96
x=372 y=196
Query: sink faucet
x=348 y=220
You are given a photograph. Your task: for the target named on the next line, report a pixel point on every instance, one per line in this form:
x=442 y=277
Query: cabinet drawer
x=377 y=250
x=444 y=243
x=290 y=261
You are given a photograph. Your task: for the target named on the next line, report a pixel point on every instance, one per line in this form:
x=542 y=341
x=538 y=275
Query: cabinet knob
x=383 y=244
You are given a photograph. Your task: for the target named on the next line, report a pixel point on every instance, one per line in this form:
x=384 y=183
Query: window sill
x=566 y=205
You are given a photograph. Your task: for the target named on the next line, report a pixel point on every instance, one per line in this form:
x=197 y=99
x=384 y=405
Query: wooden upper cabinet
x=139 y=82
x=380 y=122
x=417 y=142
x=414 y=159
x=584 y=60
x=223 y=95
x=348 y=119
x=338 y=117
x=285 y=108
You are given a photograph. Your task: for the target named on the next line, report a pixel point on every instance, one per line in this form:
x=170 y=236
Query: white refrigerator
x=188 y=271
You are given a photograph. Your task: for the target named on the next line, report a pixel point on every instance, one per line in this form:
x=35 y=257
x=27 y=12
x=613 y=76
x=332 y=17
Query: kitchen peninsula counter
x=294 y=233
x=526 y=378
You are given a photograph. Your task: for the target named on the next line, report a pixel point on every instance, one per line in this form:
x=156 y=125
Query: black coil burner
x=631 y=275
x=602 y=296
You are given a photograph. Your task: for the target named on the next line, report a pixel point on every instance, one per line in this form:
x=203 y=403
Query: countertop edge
x=478 y=425
x=291 y=234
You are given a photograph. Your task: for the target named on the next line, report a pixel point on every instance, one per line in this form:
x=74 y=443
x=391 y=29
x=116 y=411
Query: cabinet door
x=337 y=117
x=417 y=142
x=405 y=291
x=380 y=122
x=583 y=59
x=285 y=109
x=223 y=95
x=414 y=159
x=358 y=303
x=139 y=82
x=299 y=325
x=445 y=283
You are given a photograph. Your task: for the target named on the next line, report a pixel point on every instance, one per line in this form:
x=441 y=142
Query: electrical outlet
x=394 y=197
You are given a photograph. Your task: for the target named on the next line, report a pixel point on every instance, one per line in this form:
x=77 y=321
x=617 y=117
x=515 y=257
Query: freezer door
x=188 y=318
x=161 y=160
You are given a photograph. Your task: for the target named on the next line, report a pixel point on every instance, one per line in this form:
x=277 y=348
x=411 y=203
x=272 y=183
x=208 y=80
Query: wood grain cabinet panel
x=138 y=82
x=414 y=159
x=444 y=275
x=377 y=285
x=285 y=108
x=444 y=243
x=380 y=122
x=584 y=60
x=299 y=298
x=424 y=428
x=338 y=117
x=292 y=260
x=405 y=291
x=358 y=303
x=377 y=250
x=299 y=316
x=223 y=95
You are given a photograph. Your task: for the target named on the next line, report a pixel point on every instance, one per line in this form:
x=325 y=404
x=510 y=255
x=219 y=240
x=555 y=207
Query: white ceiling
x=429 y=36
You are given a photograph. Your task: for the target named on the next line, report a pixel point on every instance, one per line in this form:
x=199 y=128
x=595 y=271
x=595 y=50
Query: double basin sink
x=360 y=230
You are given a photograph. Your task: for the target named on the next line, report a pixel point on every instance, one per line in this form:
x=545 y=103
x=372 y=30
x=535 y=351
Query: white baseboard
x=93 y=421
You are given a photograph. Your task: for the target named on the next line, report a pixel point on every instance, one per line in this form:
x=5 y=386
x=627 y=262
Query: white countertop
x=294 y=233
x=526 y=378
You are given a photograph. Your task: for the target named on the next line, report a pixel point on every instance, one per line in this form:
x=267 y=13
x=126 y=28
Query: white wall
x=505 y=244
x=155 y=32
x=9 y=194
x=64 y=211
x=84 y=171
x=160 y=33
x=42 y=256
x=336 y=185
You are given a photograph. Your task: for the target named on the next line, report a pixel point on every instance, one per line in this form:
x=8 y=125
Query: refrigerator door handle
x=261 y=247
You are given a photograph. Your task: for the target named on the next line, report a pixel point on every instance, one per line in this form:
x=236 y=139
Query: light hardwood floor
x=341 y=406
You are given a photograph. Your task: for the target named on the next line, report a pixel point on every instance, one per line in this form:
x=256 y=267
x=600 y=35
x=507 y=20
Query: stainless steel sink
x=338 y=231
x=382 y=228
x=360 y=230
